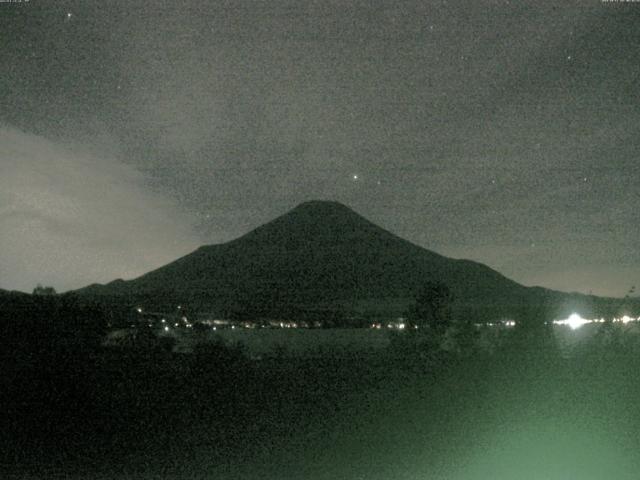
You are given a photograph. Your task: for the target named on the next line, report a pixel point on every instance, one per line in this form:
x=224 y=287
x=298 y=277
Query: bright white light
x=166 y=329
x=574 y=321
x=401 y=326
x=139 y=309
x=626 y=319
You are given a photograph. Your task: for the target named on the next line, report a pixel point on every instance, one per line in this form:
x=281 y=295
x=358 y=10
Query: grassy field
x=525 y=412
x=302 y=342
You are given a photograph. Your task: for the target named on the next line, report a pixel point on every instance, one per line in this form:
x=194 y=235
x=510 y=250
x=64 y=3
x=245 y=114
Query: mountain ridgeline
x=323 y=257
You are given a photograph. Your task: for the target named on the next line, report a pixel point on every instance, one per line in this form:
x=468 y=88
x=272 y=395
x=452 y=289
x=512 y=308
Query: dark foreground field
x=528 y=411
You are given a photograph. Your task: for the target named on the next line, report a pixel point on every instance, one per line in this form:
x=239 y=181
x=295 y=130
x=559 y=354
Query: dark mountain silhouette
x=322 y=256
x=6 y=295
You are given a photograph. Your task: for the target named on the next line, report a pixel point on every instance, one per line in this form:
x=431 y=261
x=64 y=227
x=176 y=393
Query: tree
x=44 y=291
x=431 y=314
x=432 y=308
x=627 y=303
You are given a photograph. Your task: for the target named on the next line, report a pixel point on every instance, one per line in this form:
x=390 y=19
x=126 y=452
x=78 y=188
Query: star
x=355 y=177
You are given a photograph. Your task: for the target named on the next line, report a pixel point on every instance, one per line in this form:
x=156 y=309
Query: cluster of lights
x=399 y=324
x=575 y=321
x=503 y=323
x=166 y=326
x=288 y=325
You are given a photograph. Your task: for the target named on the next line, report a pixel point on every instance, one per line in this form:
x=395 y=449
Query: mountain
x=322 y=256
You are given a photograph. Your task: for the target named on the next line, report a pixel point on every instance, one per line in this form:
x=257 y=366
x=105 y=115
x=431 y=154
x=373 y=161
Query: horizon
x=317 y=202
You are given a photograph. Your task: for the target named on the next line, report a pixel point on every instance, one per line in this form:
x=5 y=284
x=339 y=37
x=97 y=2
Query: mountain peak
x=325 y=211
x=323 y=206
x=315 y=220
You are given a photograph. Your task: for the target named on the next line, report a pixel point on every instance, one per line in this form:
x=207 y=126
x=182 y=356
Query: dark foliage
x=432 y=308
x=40 y=290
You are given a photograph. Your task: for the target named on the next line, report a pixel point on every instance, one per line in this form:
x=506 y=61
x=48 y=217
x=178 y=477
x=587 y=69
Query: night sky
x=132 y=132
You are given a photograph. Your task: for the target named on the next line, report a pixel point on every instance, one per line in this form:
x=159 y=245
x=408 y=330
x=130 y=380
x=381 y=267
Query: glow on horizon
x=575 y=321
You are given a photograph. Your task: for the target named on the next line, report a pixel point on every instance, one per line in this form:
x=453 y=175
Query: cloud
x=69 y=217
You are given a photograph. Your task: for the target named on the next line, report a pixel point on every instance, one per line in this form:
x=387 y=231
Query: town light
x=574 y=321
